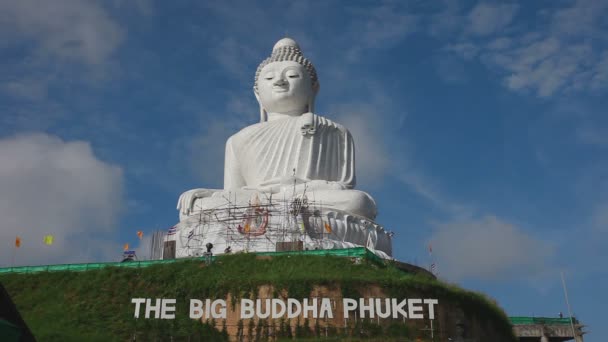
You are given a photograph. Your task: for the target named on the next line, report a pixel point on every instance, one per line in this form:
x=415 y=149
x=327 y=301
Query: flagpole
x=13 y=257
x=15 y=247
x=568 y=304
x=433 y=265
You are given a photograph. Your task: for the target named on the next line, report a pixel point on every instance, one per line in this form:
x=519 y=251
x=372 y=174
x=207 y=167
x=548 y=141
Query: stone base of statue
x=275 y=224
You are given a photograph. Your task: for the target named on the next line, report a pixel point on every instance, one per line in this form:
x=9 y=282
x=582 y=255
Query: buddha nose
x=280 y=82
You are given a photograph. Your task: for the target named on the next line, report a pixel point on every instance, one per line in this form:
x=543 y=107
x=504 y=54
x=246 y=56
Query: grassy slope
x=96 y=305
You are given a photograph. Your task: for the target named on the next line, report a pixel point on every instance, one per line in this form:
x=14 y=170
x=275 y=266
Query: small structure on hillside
x=547 y=329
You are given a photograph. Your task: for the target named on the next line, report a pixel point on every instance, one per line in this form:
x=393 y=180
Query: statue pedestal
x=269 y=225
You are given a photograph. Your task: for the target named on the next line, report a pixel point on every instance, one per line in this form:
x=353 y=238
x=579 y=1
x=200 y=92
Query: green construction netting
x=521 y=320
x=358 y=252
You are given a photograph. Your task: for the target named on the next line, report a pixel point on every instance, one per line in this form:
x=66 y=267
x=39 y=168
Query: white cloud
x=488 y=248
x=545 y=66
x=593 y=134
x=450 y=69
x=467 y=51
x=600 y=217
x=485 y=18
x=50 y=186
x=500 y=43
x=448 y=20
x=562 y=58
x=431 y=191
x=550 y=74
x=584 y=17
x=386 y=25
x=63 y=29
x=379 y=27
x=599 y=79
x=28 y=89
x=232 y=55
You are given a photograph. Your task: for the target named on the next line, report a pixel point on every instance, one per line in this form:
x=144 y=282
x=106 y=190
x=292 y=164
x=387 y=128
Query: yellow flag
x=126 y=247
x=140 y=234
x=48 y=239
x=327 y=227
x=17 y=242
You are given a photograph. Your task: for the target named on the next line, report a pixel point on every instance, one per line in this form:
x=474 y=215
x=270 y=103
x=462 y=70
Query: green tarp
x=521 y=320
x=358 y=252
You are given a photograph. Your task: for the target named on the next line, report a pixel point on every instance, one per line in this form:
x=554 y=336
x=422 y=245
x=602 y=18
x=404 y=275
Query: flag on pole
x=172 y=231
x=48 y=239
x=17 y=242
x=140 y=234
x=433 y=267
x=126 y=247
x=327 y=228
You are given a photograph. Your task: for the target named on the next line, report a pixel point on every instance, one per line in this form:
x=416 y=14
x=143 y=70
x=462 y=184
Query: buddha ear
x=263 y=113
x=311 y=105
x=315 y=89
x=311 y=101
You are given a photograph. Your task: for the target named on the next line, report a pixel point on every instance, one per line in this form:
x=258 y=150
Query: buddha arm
x=347 y=178
x=233 y=179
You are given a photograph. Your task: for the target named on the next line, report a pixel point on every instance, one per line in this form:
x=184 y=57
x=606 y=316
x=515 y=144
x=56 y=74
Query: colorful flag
x=327 y=228
x=48 y=239
x=140 y=234
x=126 y=247
x=433 y=266
x=172 y=231
x=17 y=242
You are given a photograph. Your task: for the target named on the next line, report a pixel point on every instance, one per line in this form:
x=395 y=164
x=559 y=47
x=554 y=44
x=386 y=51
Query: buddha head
x=286 y=82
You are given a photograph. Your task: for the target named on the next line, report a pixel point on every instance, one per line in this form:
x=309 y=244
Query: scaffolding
x=269 y=225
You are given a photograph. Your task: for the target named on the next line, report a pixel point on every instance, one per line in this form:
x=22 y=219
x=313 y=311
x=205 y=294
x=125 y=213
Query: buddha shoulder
x=245 y=132
x=323 y=122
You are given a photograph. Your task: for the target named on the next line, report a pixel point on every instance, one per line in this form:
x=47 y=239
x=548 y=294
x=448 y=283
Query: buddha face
x=284 y=87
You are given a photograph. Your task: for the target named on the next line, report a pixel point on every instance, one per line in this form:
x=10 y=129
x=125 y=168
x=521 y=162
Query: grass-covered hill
x=95 y=305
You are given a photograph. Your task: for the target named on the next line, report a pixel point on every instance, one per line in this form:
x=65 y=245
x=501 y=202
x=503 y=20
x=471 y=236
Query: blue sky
x=480 y=127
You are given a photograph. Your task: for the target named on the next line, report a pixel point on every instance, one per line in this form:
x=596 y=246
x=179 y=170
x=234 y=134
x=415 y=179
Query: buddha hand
x=308 y=125
x=186 y=200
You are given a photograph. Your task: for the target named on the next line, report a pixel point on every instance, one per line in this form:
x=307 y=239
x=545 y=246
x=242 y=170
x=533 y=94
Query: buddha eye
x=269 y=76
x=292 y=74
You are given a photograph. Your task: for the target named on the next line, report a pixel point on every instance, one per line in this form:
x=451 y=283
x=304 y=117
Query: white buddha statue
x=290 y=152
x=263 y=157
